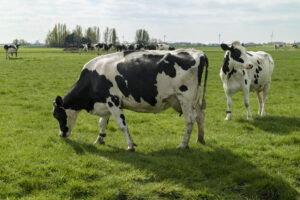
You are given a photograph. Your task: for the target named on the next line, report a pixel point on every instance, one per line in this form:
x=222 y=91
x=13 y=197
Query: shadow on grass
x=14 y=58
x=280 y=125
x=213 y=168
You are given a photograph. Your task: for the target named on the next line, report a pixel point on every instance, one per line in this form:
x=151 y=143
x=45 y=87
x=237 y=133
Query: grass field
x=242 y=159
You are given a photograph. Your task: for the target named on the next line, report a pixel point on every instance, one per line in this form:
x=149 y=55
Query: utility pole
x=219 y=38
x=272 y=37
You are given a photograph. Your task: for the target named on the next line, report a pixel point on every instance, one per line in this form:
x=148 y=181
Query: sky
x=179 y=20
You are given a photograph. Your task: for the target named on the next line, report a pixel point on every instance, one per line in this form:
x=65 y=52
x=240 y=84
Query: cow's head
x=65 y=117
x=236 y=55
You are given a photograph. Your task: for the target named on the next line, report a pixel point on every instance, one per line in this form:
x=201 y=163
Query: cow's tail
x=203 y=102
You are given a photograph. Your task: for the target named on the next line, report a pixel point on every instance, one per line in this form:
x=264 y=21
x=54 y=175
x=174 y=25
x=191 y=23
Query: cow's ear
x=58 y=101
x=225 y=47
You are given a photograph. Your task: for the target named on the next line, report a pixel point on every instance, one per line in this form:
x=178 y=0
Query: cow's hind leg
x=229 y=104
x=103 y=123
x=200 y=111
x=260 y=102
x=265 y=97
x=189 y=117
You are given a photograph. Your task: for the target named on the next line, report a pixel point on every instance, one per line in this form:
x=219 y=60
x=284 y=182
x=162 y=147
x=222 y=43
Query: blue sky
x=179 y=20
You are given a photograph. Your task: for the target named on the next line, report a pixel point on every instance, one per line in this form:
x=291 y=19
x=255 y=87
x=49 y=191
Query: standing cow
x=11 y=49
x=142 y=81
x=246 y=71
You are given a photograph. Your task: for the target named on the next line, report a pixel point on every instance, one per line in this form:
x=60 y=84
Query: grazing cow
x=171 y=48
x=120 y=47
x=294 y=46
x=162 y=47
x=130 y=47
x=150 y=47
x=84 y=47
x=246 y=71
x=279 y=46
x=142 y=81
x=11 y=49
x=138 y=47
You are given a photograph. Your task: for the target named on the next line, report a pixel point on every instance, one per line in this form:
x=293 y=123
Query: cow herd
x=122 y=47
x=151 y=81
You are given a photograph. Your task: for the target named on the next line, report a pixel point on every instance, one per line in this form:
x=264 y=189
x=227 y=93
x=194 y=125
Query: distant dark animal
x=138 y=47
x=142 y=81
x=130 y=47
x=171 y=48
x=246 y=71
x=294 y=46
x=11 y=49
x=150 y=47
x=120 y=47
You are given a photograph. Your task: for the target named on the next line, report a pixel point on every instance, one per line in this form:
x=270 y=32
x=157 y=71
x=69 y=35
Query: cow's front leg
x=246 y=102
x=102 y=123
x=121 y=121
x=229 y=104
x=189 y=117
x=260 y=102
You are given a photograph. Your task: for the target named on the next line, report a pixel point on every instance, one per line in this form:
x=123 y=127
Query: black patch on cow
x=225 y=67
x=110 y=104
x=256 y=81
x=183 y=88
x=249 y=54
x=235 y=55
x=203 y=61
x=123 y=119
x=245 y=82
x=60 y=114
x=125 y=53
x=89 y=89
x=259 y=68
x=244 y=72
x=115 y=99
x=258 y=62
x=140 y=74
x=122 y=85
x=231 y=73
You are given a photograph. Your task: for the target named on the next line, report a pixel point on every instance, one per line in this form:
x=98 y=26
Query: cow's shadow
x=215 y=168
x=280 y=125
x=14 y=58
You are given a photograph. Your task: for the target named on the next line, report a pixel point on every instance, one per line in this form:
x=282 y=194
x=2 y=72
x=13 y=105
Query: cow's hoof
x=183 y=147
x=131 y=149
x=249 y=118
x=200 y=141
x=99 y=142
x=227 y=119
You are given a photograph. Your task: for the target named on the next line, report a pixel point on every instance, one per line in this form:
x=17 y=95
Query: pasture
x=242 y=159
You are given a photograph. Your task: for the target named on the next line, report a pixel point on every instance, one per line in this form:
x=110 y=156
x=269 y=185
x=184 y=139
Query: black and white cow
x=162 y=46
x=84 y=47
x=142 y=81
x=246 y=71
x=11 y=49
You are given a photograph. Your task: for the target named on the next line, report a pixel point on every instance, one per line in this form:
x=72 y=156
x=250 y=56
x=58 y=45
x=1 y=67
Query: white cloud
x=179 y=20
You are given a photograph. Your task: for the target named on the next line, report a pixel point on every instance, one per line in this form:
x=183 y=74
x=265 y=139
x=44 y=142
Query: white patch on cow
x=100 y=109
x=71 y=119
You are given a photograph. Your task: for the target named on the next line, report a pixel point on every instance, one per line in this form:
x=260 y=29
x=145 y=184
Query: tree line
x=60 y=36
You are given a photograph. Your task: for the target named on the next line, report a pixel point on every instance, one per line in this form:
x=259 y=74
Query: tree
x=142 y=36
x=106 y=35
x=56 y=37
x=15 y=41
x=114 y=37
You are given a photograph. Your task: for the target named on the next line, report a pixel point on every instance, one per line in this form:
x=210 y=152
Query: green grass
x=242 y=159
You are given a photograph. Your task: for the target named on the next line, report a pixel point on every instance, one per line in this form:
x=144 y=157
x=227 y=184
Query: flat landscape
x=242 y=159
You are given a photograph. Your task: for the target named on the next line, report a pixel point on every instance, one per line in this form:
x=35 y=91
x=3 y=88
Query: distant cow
x=120 y=47
x=294 y=46
x=150 y=47
x=279 y=46
x=84 y=47
x=246 y=71
x=142 y=81
x=162 y=47
x=171 y=48
x=11 y=49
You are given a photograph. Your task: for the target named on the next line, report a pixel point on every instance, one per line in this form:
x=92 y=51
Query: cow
x=246 y=71
x=150 y=47
x=280 y=46
x=141 y=81
x=294 y=46
x=11 y=49
x=162 y=47
x=120 y=47
x=84 y=47
x=171 y=48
